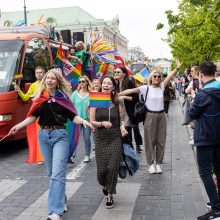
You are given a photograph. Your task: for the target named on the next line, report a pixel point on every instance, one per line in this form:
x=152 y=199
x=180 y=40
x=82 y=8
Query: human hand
x=17 y=88
x=86 y=123
x=107 y=124
x=13 y=130
x=123 y=131
x=178 y=64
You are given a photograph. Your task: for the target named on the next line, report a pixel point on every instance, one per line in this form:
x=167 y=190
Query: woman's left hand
x=123 y=132
x=86 y=123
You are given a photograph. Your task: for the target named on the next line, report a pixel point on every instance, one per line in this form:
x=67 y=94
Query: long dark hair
x=114 y=93
x=126 y=79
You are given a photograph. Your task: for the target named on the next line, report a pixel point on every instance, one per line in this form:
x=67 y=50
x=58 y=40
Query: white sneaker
x=86 y=159
x=152 y=169
x=158 y=169
x=65 y=208
x=191 y=142
x=54 y=217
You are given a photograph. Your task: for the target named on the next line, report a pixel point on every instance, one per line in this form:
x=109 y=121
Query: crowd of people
x=54 y=103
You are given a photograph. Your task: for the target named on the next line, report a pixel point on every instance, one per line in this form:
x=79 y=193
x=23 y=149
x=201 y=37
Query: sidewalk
x=177 y=194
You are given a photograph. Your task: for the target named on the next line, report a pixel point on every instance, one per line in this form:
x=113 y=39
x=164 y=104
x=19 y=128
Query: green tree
x=194 y=33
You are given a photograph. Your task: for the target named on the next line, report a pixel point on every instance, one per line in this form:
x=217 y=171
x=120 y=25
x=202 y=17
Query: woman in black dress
x=110 y=129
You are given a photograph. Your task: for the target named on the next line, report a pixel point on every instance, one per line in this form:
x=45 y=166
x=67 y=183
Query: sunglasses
x=155 y=76
x=82 y=81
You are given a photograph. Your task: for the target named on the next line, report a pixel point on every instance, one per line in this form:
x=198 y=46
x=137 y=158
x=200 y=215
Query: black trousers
x=137 y=136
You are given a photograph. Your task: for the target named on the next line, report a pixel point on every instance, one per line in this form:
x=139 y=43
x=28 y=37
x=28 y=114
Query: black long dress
x=108 y=148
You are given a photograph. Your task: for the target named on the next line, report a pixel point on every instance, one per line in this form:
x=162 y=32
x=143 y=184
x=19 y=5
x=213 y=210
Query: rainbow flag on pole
x=99 y=99
x=72 y=73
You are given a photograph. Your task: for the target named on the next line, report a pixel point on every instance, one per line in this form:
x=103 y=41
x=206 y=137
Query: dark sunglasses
x=155 y=76
x=82 y=81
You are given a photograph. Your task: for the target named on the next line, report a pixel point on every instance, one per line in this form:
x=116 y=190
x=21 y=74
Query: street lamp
x=25 y=14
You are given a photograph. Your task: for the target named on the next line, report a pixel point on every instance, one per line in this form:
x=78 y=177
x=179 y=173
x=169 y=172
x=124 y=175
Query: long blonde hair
x=63 y=84
x=89 y=84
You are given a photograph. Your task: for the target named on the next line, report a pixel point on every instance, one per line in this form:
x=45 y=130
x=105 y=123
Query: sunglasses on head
x=82 y=81
x=117 y=71
x=157 y=76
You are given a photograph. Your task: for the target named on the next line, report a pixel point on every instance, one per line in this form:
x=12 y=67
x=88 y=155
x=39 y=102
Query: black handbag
x=140 y=109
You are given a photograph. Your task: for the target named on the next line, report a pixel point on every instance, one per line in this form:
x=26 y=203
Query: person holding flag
x=107 y=115
x=53 y=108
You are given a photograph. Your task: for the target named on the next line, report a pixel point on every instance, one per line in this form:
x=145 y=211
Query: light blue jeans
x=86 y=138
x=54 y=145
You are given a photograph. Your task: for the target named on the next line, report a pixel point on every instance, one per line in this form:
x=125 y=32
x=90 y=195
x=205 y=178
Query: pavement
x=177 y=194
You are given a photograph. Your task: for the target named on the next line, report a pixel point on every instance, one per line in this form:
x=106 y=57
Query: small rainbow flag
x=18 y=76
x=99 y=99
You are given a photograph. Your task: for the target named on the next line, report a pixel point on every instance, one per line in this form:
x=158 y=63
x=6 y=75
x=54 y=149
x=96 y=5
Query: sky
x=138 y=18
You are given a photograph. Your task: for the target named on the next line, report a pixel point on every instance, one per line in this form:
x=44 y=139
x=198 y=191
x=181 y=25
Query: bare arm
x=24 y=123
x=172 y=73
x=106 y=124
x=78 y=120
x=129 y=91
x=122 y=117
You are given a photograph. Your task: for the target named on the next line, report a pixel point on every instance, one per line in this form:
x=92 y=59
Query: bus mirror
x=26 y=87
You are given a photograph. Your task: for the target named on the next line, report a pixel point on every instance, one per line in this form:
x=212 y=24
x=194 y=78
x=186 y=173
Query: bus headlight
x=5 y=117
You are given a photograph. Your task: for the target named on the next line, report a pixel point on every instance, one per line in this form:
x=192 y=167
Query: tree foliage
x=194 y=33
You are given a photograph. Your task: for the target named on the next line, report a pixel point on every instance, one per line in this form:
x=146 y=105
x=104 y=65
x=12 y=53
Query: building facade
x=74 y=20
x=136 y=54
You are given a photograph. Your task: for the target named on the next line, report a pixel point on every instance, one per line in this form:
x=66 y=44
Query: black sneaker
x=138 y=149
x=209 y=216
x=110 y=202
x=105 y=192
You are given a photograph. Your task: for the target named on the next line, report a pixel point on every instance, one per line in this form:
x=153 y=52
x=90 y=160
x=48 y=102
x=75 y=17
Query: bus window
x=37 y=54
x=10 y=58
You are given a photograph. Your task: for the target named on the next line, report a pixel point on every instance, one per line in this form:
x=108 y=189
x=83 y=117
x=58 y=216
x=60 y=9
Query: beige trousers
x=155 y=137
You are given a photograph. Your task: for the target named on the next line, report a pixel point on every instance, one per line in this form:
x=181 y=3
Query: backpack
x=140 y=109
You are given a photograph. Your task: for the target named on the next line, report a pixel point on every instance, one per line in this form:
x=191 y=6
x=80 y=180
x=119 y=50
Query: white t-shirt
x=155 y=100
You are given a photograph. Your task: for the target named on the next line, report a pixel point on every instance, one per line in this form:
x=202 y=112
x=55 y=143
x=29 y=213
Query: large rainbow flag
x=99 y=99
x=71 y=73
x=73 y=129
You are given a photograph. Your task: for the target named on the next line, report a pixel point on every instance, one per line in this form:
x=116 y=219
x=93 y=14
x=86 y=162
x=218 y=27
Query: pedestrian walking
x=39 y=74
x=155 y=121
x=80 y=99
x=124 y=82
x=110 y=128
x=205 y=110
x=53 y=108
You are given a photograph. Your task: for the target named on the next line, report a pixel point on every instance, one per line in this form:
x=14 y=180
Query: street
x=177 y=194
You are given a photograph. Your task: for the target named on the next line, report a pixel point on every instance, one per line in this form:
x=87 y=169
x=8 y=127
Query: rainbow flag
x=72 y=73
x=99 y=99
x=18 y=76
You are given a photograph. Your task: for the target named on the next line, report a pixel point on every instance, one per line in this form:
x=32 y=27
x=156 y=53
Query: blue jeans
x=54 y=145
x=86 y=138
x=208 y=158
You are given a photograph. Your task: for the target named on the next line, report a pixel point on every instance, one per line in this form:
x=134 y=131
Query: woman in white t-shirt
x=155 y=121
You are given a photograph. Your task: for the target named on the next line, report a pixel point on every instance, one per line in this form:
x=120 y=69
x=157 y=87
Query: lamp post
x=25 y=14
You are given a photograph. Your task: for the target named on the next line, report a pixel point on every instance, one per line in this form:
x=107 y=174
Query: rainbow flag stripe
x=99 y=99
